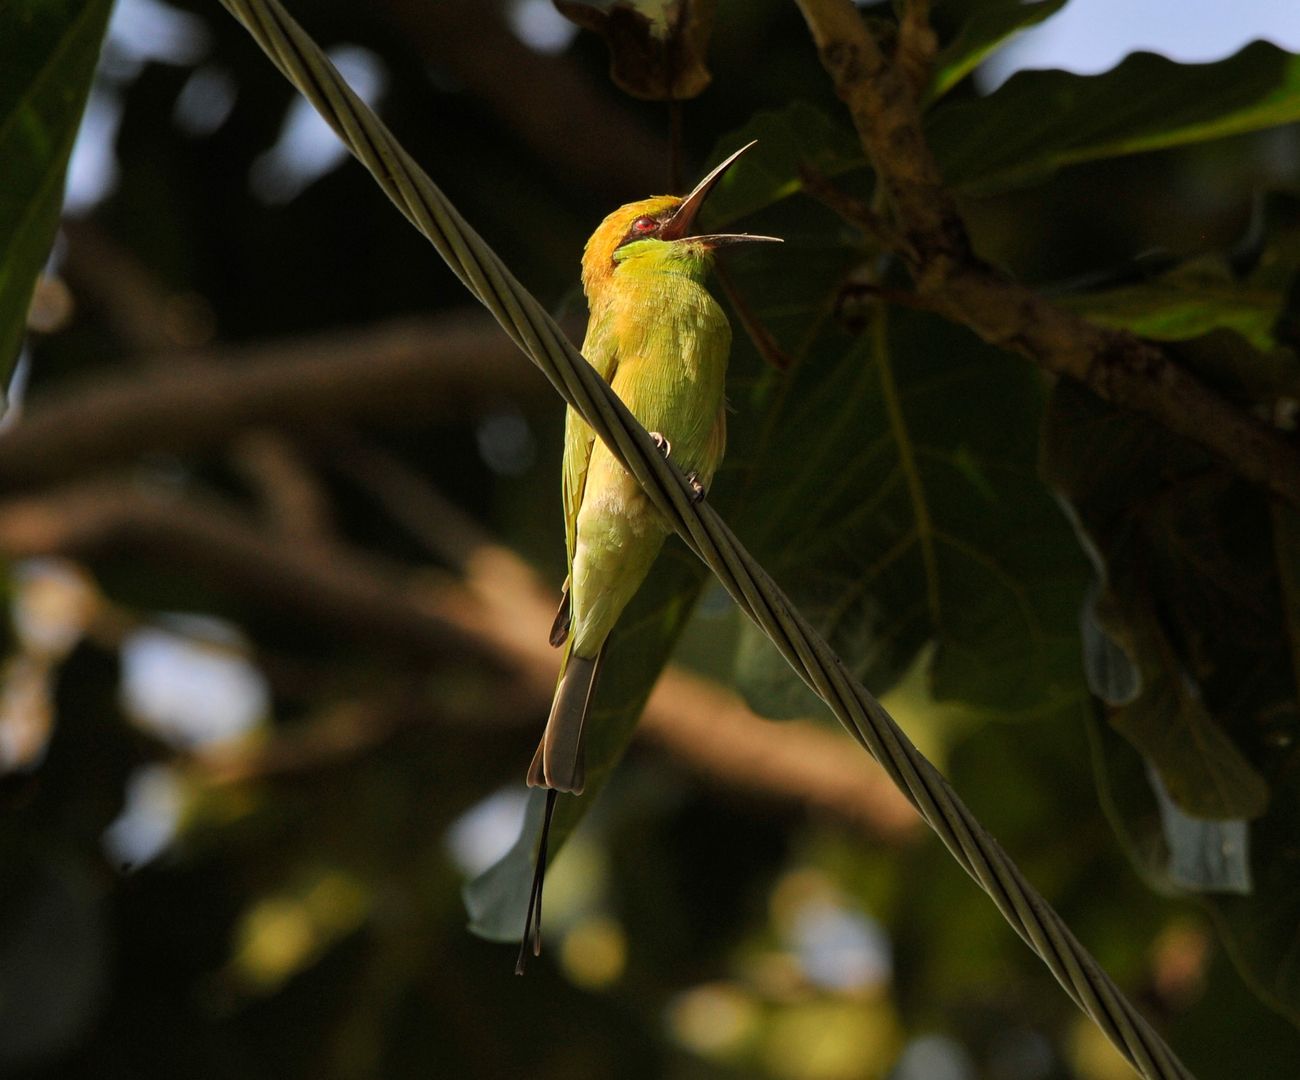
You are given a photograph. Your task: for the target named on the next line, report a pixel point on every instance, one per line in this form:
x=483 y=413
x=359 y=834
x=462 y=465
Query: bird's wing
x=599 y=348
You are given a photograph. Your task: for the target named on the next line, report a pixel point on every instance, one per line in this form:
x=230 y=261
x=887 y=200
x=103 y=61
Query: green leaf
x=1186 y=557
x=1040 y=121
x=1245 y=299
x=48 y=50
x=1206 y=775
x=981 y=35
x=898 y=515
x=1252 y=889
x=1192 y=300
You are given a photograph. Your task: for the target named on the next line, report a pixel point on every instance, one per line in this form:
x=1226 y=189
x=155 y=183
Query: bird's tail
x=532 y=939
x=558 y=765
x=559 y=762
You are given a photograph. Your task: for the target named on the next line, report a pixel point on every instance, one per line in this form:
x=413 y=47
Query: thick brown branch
x=417 y=371
x=340 y=592
x=1115 y=365
x=499 y=616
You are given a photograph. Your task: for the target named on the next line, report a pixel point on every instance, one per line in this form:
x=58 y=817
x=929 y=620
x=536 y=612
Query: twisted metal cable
x=532 y=329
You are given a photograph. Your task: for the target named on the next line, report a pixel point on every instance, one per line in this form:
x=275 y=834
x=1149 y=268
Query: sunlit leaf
x=1039 y=121
x=47 y=55
x=1190 y=301
x=986 y=30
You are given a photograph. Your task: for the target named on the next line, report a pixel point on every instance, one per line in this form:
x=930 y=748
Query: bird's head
x=658 y=230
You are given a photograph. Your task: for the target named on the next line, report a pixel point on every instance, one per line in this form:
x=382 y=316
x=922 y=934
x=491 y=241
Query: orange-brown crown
x=598 y=255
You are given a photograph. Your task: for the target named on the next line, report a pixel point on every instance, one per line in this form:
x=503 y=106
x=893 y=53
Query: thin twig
x=763 y=340
x=853 y=210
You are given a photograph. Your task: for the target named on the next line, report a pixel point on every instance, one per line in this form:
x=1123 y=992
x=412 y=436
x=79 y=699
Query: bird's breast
x=673 y=343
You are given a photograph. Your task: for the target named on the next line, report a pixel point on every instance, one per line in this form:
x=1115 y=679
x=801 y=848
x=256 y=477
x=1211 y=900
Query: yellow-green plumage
x=658 y=337
x=661 y=341
x=669 y=341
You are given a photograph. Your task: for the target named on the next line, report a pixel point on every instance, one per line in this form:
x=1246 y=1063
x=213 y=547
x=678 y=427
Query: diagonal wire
x=536 y=334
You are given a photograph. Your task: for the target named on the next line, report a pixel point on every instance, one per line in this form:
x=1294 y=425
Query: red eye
x=644 y=225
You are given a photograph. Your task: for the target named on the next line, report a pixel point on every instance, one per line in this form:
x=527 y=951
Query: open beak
x=678 y=227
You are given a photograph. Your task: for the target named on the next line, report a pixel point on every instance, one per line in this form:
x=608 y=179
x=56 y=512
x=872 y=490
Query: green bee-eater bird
x=661 y=341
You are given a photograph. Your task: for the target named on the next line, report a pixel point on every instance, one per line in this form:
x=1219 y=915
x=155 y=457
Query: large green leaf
x=1191 y=300
x=1191 y=597
x=48 y=50
x=1039 y=121
x=911 y=513
x=1249 y=293
x=986 y=30
x=889 y=484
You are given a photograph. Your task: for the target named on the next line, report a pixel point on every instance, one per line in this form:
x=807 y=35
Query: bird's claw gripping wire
x=692 y=478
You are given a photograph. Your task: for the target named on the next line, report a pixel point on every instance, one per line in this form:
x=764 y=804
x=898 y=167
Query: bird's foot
x=697 y=489
x=665 y=447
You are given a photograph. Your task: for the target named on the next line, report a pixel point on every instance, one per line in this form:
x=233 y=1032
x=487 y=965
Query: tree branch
x=1115 y=365
x=340 y=591
x=499 y=617
x=414 y=370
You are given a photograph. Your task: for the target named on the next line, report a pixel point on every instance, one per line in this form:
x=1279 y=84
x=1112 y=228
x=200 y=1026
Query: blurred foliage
x=47 y=58
x=1045 y=589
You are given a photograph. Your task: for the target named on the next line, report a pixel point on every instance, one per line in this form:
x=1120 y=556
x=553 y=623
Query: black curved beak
x=678 y=227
